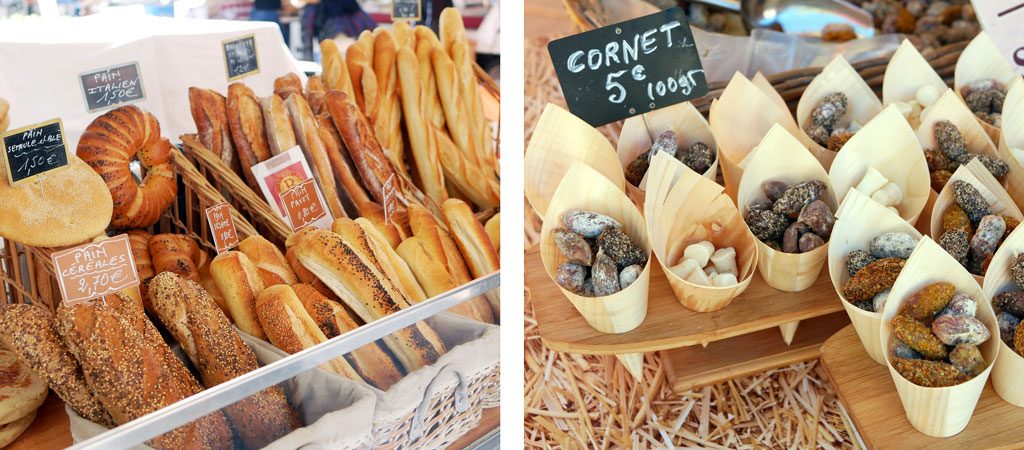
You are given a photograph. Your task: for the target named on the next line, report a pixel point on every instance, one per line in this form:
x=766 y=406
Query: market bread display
x=248 y=130
x=110 y=143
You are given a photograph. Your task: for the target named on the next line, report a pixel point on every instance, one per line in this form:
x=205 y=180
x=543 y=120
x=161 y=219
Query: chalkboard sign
x=112 y=86
x=405 y=10
x=33 y=150
x=629 y=68
x=240 y=57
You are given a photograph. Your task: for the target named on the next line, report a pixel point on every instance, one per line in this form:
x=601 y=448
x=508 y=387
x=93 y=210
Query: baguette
x=315 y=93
x=422 y=142
x=439 y=243
x=291 y=329
x=391 y=232
x=493 y=227
x=426 y=42
x=388 y=261
x=130 y=377
x=209 y=113
x=474 y=244
x=340 y=163
x=364 y=82
x=436 y=280
x=456 y=43
x=455 y=111
x=387 y=120
x=280 y=134
x=287 y=85
x=245 y=120
x=478 y=186
x=371 y=361
x=315 y=83
x=31 y=332
x=403 y=35
x=335 y=69
x=308 y=132
x=356 y=281
x=212 y=344
x=270 y=263
x=239 y=282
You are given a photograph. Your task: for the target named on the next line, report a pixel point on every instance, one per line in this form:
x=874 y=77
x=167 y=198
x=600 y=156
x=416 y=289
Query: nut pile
x=873 y=271
x=602 y=259
x=911 y=109
x=792 y=219
x=985 y=99
x=971 y=232
x=936 y=337
x=880 y=189
x=698 y=157
x=937 y=23
x=824 y=127
x=1009 y=308
x=705 y=266
x=953 y=152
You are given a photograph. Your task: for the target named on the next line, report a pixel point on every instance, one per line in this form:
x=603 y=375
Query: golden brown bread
x=455 y=111
x=212 y=344
x=456 y=43
x=438 y=243
x=464 y=175
x=387 y=119
x=291 y=329
x=426 y=42
x=436 y=280
x=270 y=262
x=340 y=163
x=307 y=130
x=129 y=375
x=403 y=34
x=396 y=228
x=239 y=282
x=316 y=93
x=359 y=58
x=474 y=244
x=388 y=262
x=248 y=129
x=139 y=242
x=371 y=361
x=493 y=227
x=31 y=332
x=280 y=134
x=421 y=140
x=209 y=112
x=287 y=85
x=353 y=277
x=175 y=253
x=335 y=69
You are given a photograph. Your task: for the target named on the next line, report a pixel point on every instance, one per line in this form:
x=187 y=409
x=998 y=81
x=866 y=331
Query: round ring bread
x=21 y=390
x=110 y=143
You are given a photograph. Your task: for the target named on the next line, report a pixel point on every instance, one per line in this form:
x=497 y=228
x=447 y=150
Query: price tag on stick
x=33 y=150
x=240 y=57
x=95 y=269
x=1001 y=20
x=112 y=86
x=406 y=10
x=629 y=68
x=303 y=205
x=222 y=227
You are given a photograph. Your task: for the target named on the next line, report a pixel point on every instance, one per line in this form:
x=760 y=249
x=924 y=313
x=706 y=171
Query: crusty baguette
x=130 y=377
x=403 y=34
x=209 y=112
x=473 y=242
x=493 y=227
x=287 y=85
x=391 y=231
x=421 y=140
x=371 y=361
x=239 y=282
x=280 y=134
x=305 y=276
x=387 y=260
x=364 y=80
x=456 y=114
x=307 y=130
x=456 y=43
x=335 y=69
x=426 y=42
x=31 y=332
x=479 y=186
x=315 y=93
x=387 y=121
x=438 y=242
x=245 y=120
x=356 y=281
x=269 y=261
x=212 y=344
x=315 y=83
x=291 y=329
x=340 y=162
x=436 y=280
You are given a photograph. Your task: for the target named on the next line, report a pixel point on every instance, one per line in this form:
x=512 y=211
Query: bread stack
x=21 y=393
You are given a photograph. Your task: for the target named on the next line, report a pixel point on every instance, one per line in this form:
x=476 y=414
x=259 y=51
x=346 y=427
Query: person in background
x=268 y=11
x=230 y=9
x=326 y=19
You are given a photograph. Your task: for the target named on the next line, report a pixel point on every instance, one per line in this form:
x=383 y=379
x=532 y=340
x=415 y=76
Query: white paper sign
x=1003 y=20
x=283 y=172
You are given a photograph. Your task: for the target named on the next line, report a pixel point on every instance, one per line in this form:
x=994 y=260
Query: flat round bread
x=11 y=431
x=21 y=390
x=66 y=206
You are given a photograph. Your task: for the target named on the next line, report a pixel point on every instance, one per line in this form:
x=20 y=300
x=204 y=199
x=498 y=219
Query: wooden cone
x=1011 y=141
x=859 y=220
x=634 y=364
x=586 y=189
x=944 y=411
x=683 y=119
x=837 y=76
x=1006 y=373
x=982 y=60
x=907 y=72
x=739 y=118
x=560 y=140
x=788 y=331
x=780 y=156
x=902 y=162
x=977 y=175
x=683 y=208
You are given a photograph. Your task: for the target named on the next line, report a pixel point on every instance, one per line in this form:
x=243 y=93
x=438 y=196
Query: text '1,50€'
x=629 y=68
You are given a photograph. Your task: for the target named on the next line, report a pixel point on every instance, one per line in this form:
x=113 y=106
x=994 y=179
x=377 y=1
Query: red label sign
x=303 y=205
x=388 y=195
x=96 y=269
x=222 y=227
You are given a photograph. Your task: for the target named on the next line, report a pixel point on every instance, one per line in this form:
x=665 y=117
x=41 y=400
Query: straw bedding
x=578 y=401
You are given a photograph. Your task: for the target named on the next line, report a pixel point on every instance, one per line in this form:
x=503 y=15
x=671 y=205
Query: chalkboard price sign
x=112 y=86
x=629 y=68
x=405 y=10
x=240 y=57
x=34 y=150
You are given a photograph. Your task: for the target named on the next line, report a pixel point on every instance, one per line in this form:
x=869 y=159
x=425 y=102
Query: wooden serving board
x=668 y=324
x=869 y=395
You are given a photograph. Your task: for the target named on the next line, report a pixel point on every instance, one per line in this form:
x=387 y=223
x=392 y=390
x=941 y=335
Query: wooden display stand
x=869 y=396
x=741 y=338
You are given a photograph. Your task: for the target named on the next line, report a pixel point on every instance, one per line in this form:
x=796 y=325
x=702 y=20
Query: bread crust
x=278 y=124
x=248 y=129
x=271 y=264
x=239 y=282
x=307 y=130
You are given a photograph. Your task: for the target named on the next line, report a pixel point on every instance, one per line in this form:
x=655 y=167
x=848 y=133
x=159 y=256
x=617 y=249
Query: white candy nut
x=724 y=279
x=700 y=251
x=724 y=260
x=683 y=269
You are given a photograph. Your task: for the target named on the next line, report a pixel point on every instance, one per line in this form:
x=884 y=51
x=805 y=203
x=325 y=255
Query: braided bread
x=109 y=143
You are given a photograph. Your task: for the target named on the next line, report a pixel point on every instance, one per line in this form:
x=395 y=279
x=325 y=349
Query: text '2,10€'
x=629 y=68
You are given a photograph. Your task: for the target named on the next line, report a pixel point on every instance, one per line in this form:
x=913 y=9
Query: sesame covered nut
x=838 y=139
x=605 y=275
x=928 y=373
x=995 y=166
x=960 y=305
x=856 y=260
x=796 y=197
x=955 y=330
x=984 y=96
x=762 y=204
x=900 y=349
x=892 y=245
x=1017 y=270
x=919 y=337
x=571 y=276
x=939 y=178
x=1018 y=340
x=987 y=237
x=1007 y=326
x=831 y=108
x=573 y=246
x=818 y=134
x=878 y=301
x=698 y=157
x=956 y=219
x=925 y=303
x=950 y=141
x=810 y=241
x=766 y=225
x=1011 y=302
x=620 y=248
x=872 y=279
x=665 y=143
x=589 y=224
x=629 y=275
x=971 y=201
x=774 y=189
x=636 y=170
x=967 y=359
x=1011 y=223
x=937 y=160
x=957 y=244
x=791 y=238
